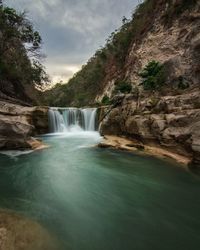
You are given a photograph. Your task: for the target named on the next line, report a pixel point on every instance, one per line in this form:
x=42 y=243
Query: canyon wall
x=168 y=122
x=169 y=117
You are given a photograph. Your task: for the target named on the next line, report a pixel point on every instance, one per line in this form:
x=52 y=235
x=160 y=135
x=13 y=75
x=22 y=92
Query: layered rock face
x=18 y=124
x=168 y=117
x=170 y=122
x=176 y=46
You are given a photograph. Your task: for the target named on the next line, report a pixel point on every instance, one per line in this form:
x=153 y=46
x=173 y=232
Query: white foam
x=15 y=153
x=76 y=134
x=72 y=119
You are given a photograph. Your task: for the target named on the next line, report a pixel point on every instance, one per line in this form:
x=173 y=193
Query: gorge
x=111 y=159
x=160 y=109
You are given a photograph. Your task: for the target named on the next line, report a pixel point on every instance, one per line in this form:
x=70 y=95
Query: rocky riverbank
x=170 y=123
x=19 y=125
x=121 y=143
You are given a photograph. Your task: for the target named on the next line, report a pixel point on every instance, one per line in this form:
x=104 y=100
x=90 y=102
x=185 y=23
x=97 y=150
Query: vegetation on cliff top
x=20 y=55
x=108 y=62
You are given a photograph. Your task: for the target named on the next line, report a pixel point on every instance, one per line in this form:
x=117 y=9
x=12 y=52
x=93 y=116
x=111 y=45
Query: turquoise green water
x=102 y=199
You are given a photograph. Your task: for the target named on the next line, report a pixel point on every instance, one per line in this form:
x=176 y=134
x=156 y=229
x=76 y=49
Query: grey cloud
x=73 y=29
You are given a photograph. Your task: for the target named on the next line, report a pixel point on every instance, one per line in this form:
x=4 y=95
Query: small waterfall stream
x=63 y=120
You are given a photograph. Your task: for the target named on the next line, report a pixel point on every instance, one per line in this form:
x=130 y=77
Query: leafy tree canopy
x=20 y=46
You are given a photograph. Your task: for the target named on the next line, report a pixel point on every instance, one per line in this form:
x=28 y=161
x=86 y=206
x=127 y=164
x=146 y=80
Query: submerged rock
x=18 y=233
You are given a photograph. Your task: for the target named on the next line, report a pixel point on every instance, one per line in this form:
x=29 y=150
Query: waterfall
x=63 y=120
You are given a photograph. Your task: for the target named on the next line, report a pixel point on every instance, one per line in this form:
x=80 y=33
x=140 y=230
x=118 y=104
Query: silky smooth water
x=66 y=119
x=101 y=199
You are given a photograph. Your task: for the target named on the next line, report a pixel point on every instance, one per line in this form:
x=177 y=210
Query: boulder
x=18 y=124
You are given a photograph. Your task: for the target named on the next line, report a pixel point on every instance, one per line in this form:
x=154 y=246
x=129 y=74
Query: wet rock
x=18 y=233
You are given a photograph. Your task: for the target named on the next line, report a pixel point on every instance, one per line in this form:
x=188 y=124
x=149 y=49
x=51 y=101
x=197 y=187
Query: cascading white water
x=71 y=119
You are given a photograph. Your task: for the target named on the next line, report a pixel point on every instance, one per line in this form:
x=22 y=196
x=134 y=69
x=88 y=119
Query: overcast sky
x=72 y=30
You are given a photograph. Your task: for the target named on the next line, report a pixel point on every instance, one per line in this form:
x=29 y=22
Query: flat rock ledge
x=122 y=143
x=19 y=233
x=36 y=144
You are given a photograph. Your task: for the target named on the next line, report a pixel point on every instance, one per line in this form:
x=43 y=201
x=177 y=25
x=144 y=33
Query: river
x=102 y=199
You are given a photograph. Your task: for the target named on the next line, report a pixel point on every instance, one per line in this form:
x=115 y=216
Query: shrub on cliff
x=106 y=100
x=152 y=75
x=123 y=87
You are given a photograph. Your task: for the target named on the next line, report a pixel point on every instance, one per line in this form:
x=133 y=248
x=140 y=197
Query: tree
x=152 y=75
x=20 y=46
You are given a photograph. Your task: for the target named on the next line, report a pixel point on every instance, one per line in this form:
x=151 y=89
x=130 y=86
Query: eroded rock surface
x=172 y=122
x=18 y=124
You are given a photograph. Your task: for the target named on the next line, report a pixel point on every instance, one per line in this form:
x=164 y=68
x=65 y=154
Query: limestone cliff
x=176 y=45
x=168 y=118
x=166 y=31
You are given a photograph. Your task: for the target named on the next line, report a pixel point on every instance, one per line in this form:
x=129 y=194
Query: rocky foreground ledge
x=19 y=125
x=18 y=233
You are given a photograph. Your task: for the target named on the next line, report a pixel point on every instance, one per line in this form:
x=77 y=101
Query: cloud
x=72 y=30
x=62 y=72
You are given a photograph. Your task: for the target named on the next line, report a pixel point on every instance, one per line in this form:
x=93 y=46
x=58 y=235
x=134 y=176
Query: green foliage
x=91 y=79
x=152 y=76
x=119 y=41
x=19 y=49
x=82 y=87
x=123 y=87
x=39 y=76
x=106 y=100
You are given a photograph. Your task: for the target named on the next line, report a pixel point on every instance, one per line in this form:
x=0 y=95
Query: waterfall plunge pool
x=101 y=199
